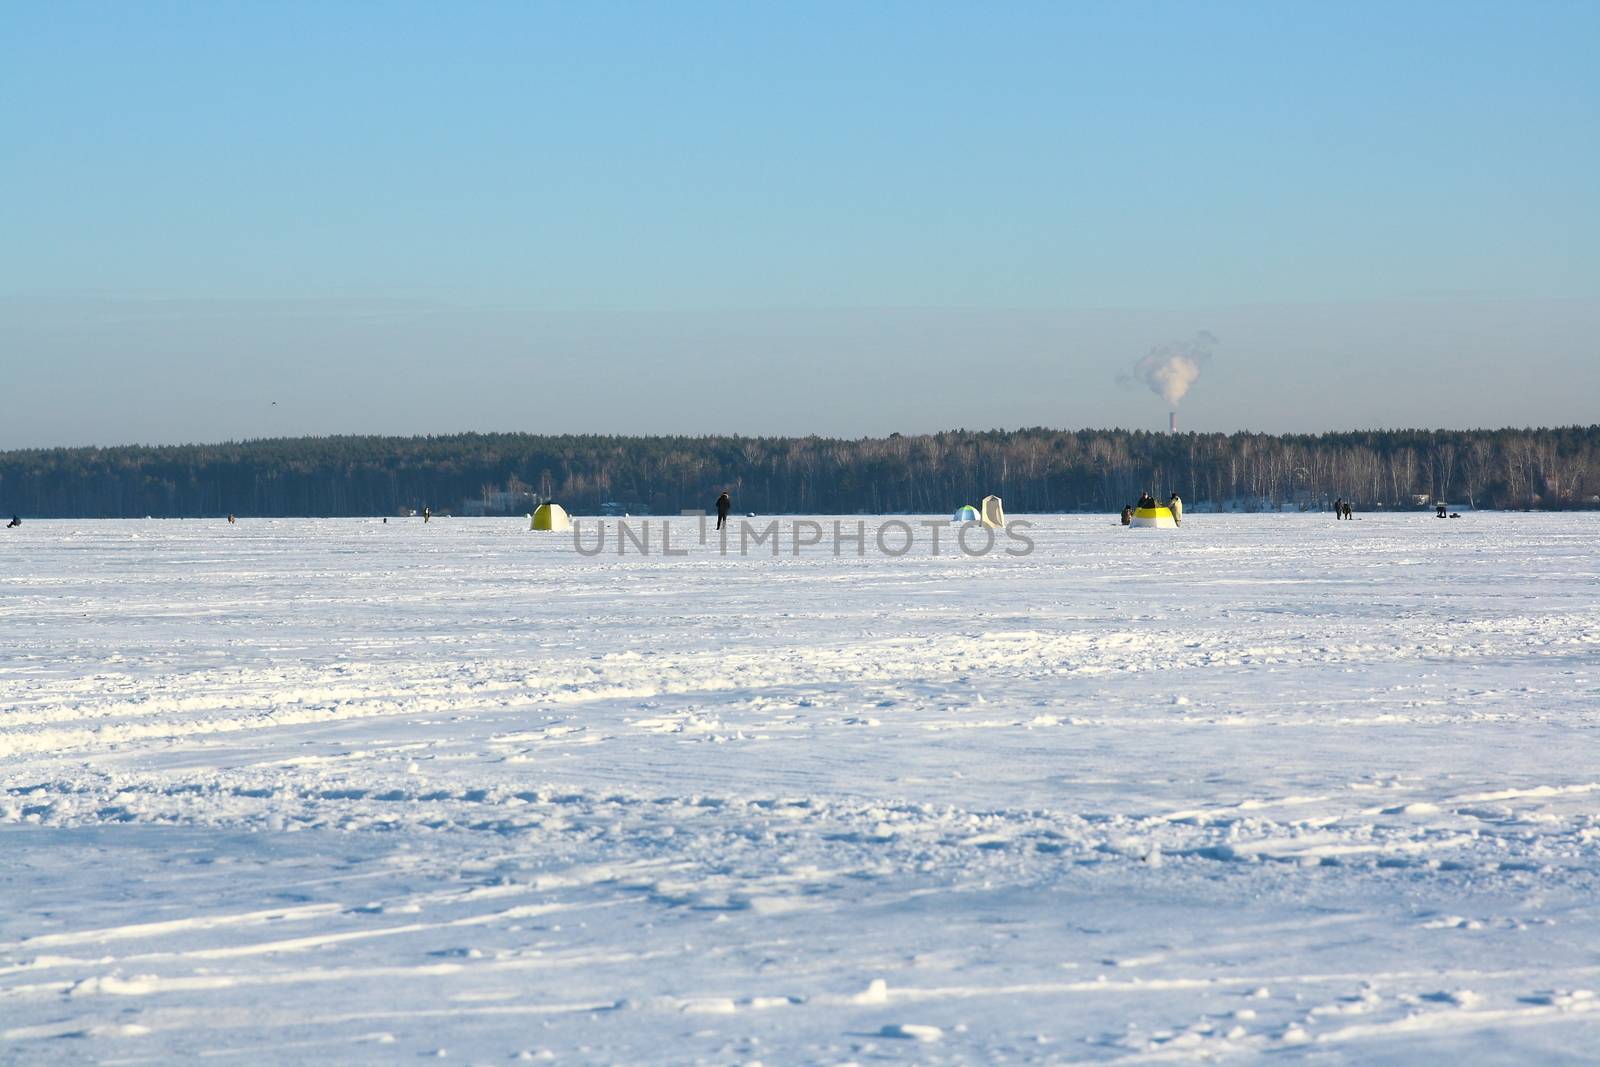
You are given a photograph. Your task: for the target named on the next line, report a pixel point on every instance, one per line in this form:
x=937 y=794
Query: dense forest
x=1034 y=470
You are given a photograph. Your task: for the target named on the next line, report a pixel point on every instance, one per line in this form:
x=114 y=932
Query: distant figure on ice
x=16 y=520
x=1442 y=510
x=1338 y=507
x=1175 y=502
x=1347 y=510
x=1127 y=514
x=427 y=513
x=232 y=520
x=1147 y=501
x=724 y=505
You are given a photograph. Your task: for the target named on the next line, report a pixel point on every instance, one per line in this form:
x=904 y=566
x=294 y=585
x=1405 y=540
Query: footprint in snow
x=911 y=1031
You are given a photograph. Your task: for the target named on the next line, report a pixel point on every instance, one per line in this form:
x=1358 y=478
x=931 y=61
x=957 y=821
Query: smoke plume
x=1169 y=370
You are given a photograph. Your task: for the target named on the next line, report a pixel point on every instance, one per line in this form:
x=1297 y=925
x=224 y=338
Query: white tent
x=993 y=514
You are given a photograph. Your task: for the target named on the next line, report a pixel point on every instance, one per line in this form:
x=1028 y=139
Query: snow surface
x=340 y=791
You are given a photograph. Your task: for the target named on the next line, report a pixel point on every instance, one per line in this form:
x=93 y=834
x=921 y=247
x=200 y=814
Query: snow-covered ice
x=342 y=791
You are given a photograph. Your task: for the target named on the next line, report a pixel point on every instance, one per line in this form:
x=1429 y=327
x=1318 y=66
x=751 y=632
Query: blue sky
x=840 y=218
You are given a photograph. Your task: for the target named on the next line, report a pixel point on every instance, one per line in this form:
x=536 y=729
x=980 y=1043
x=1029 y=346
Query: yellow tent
x=1158 y=517
x=550 y=517
x=993 y=514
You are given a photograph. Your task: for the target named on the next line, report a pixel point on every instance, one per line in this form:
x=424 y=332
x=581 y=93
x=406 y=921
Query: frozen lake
x=350 y=792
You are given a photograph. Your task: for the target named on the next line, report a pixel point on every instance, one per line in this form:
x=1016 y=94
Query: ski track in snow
x=349 y=792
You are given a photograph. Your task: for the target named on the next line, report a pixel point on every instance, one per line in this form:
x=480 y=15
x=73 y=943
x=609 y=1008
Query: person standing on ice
x=724 y=505
x=1176 y=504
x=1127 y=514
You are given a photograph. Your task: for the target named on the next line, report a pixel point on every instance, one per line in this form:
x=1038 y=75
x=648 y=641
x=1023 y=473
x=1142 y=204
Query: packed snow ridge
x=343 y=791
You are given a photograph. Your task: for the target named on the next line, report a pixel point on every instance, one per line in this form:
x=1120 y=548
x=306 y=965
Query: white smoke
x=1170 y=370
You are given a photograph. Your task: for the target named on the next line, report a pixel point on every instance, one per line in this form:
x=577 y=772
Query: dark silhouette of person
x=1127 y=514
x=724 y=505
x=1338 y=507
x=1348 y=510
x=16 y=520
x=1147 y=501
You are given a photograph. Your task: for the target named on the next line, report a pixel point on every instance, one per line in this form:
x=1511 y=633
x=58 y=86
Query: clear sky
x=225 y=220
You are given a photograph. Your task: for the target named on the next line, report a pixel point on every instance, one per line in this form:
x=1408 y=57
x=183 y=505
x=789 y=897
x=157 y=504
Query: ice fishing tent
x=1158 y=517
x=993 y=514
x=550 y=517
x=966 y=513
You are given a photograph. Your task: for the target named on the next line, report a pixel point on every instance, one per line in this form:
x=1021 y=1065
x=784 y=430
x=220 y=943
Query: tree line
x=1034 y=470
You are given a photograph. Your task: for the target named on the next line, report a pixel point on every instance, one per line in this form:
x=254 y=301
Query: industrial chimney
x=1172 y=422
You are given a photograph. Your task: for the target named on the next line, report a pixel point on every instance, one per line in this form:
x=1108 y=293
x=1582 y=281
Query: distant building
x=501 y=502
